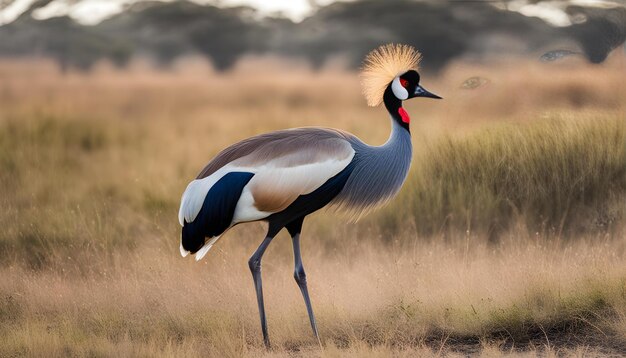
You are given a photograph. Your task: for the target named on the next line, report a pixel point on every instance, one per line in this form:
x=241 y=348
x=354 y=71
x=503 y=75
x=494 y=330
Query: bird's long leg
x=255 y=268
x=299 y=274
x=300 y=277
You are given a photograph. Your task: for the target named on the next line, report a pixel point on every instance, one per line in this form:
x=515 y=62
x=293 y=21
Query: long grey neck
x=399 y=138
x=379 y=171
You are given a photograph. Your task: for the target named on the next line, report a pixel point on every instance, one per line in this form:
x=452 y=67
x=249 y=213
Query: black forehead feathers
x=411 y=76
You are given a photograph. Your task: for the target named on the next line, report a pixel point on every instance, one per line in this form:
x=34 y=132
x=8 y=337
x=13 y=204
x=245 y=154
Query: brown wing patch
x=272 y=201
x=285 y=178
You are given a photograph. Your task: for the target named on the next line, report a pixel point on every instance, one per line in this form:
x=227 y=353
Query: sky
x=94 y=11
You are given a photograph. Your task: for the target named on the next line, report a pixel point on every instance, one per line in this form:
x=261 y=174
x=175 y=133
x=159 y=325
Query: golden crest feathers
x=382 y=65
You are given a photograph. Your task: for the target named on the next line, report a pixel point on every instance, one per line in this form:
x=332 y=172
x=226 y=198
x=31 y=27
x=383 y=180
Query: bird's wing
x=269 y=146
x=285 y=164
x=282 y=179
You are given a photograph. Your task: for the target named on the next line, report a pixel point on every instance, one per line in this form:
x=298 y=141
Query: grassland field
x=509 y=237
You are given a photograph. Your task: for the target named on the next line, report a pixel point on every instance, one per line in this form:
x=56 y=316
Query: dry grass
x=92 y=167
x=564 y=176
x=407 y=297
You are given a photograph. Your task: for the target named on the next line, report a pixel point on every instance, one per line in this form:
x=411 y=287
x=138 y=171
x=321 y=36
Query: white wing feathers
x=193 y=197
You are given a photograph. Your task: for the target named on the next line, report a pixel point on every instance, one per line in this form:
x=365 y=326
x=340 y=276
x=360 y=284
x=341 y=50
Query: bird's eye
x=404 y=83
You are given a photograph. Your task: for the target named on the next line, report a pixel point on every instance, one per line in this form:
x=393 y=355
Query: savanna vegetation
x=509 y=236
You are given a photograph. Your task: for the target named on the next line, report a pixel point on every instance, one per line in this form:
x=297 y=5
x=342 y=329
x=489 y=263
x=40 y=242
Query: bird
x=283 y=176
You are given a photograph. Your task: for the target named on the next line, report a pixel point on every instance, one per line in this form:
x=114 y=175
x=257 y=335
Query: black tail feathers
x=217 y=211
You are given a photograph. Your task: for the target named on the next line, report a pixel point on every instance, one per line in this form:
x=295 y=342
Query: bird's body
x=283 y=176
x=275 y=172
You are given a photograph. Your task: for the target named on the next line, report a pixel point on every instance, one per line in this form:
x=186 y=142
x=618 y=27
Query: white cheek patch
x=400 y=92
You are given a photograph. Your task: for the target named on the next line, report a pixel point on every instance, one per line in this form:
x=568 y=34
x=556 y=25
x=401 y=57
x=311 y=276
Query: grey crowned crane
x=283 y=176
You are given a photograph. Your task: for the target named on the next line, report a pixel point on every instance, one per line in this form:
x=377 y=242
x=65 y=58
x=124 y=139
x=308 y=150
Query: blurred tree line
x=443 y=30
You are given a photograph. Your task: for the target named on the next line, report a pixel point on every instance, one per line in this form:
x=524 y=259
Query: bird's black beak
x=422 y=92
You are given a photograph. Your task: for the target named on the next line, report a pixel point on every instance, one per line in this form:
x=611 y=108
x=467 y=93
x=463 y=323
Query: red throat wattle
x=404 y=115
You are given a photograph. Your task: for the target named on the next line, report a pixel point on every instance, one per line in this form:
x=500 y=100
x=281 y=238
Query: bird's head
x=407 y=85
x=392 y=70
